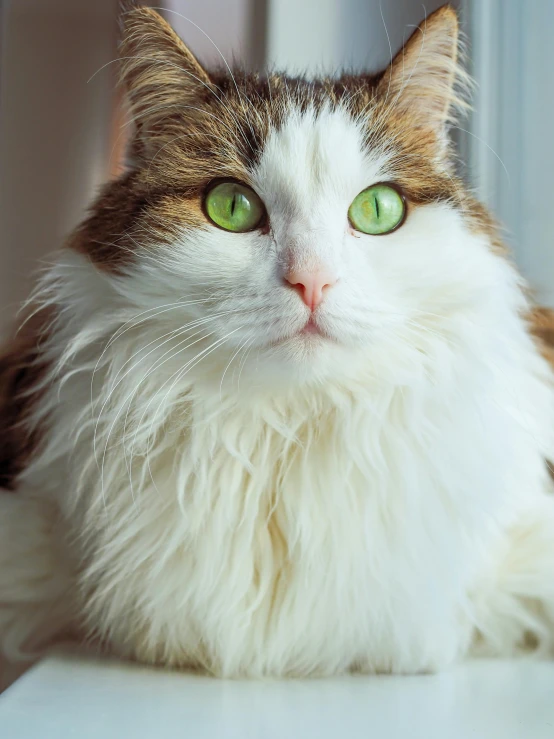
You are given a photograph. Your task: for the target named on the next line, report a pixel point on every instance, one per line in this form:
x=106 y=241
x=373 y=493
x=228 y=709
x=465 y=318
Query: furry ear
x=424 y=77
x=163 y=80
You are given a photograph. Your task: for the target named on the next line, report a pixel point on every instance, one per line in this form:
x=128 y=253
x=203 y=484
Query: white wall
x=329 y=35
x=228 y=25
x=511 y=149
x=55 y=129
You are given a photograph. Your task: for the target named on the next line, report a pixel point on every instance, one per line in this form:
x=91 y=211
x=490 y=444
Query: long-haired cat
x=283 y=405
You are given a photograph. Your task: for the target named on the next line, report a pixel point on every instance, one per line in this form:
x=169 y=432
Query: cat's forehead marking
x=316 y=159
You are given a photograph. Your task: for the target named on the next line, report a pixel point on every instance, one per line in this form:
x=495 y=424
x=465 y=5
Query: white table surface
x=72 y=696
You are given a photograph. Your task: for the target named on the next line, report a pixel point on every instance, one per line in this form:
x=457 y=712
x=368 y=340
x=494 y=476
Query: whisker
x=156 y=365
x=171 y=334
x=243 y=362
x=227 y=367
x=180 y=374
x=129 y=399
x=159 y=310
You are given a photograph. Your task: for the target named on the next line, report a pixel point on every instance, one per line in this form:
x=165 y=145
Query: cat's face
x=310 y=285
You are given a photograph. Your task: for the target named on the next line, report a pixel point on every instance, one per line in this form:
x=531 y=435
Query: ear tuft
x=426 y=79
x=162 y=78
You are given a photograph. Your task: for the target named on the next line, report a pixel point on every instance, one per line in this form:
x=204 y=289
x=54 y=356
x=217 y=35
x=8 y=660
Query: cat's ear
x=425 y=80
x=163 y=80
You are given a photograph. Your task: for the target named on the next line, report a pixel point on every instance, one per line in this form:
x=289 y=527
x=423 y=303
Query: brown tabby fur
x=21 y=371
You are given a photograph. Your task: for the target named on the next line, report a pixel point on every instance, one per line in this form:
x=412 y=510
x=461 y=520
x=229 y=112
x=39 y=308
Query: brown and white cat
x=283 y=405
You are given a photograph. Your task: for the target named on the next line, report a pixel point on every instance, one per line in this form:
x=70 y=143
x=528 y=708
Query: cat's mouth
x=310 y=332
x=310 y=328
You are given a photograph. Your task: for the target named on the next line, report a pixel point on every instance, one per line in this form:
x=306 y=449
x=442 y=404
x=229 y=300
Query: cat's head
x=290 y=228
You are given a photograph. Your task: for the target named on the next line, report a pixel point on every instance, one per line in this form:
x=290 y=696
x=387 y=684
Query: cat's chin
x=305 y=341
x=306 y=358
x=309 y=356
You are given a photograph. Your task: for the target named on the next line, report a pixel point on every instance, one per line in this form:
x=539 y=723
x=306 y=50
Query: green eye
x=234 y=207
x=378 y=210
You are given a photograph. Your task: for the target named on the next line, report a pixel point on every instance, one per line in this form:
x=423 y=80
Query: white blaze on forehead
x=311 y=169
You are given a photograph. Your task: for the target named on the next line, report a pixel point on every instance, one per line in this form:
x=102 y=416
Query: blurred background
x=61 y=116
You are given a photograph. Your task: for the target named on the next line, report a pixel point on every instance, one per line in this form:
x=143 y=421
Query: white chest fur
x=311 y=536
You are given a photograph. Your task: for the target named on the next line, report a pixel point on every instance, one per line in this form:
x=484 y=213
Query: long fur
x=206 y=486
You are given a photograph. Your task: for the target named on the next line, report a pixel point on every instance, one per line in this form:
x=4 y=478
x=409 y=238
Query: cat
x=283 y=406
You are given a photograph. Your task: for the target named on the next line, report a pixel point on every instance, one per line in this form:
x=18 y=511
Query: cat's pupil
x=376 y=203
x=233 y=204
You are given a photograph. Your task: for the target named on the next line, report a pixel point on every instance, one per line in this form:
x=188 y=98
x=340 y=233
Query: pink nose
x=311 y=284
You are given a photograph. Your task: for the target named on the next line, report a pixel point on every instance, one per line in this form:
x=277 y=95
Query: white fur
x=258 y=502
